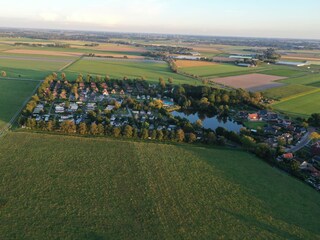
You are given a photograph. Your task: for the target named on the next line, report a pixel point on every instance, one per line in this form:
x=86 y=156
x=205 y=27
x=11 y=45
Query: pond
x=210 y=122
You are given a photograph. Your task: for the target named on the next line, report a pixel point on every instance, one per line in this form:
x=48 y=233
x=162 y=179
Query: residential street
x=303 y=142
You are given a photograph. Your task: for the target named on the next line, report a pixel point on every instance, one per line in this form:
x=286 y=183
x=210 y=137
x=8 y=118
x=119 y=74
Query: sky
x=246 y=18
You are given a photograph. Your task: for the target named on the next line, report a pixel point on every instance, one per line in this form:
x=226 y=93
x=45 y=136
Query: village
x=146 y=107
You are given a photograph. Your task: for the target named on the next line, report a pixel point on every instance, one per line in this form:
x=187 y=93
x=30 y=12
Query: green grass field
x=50 y=189
x=303 y=105
x=303 y=80
x=152 y=71
x=216 y=70
x=288 y=91
x=12 y=95
x=29 y=68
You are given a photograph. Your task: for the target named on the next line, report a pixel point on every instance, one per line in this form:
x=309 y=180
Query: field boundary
x=8 y=126
x=71 y=63
x=297 y=96
x=20 y=79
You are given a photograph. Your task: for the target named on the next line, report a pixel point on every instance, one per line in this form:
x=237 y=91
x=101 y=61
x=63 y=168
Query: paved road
x=303 y=142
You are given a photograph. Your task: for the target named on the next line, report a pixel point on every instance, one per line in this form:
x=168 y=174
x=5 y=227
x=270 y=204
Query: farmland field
x=252 y=82
x=150 y=70
x=288 y=91
x=303 y=105
x=51 y=190
x=303 y=80
x=12 y=95
x=215 y=70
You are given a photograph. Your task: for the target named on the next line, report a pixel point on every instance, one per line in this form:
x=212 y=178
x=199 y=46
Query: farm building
x=245 y=65
x=295 y=64
x=239 y=57
x=185 y=57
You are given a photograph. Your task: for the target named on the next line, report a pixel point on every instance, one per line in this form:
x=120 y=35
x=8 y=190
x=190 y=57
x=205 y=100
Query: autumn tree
x=180 y=135
x=3 y=74
x=128 y=131
x=94 y=129
x=82 y=128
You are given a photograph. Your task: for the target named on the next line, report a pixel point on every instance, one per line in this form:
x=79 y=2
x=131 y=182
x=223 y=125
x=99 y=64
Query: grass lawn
x=109 y=189
x=12 y=95
x=288 y=91
x=152 y=71
x=254 y=125
x=303 y=105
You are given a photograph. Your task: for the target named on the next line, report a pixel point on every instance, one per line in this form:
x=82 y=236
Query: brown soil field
x=189 y=63
x=120 y=48
x=300 y=58
x=43 y=52
x=253 y=82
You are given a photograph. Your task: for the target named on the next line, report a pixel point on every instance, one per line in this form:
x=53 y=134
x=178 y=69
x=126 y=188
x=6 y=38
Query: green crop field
x=152 y=71
x=12 y=95
x=30 y=68
x=303 y=80
x=303 y=105
x=288 y=91
x=217 y=70
x=287 y=72
x=113 y=189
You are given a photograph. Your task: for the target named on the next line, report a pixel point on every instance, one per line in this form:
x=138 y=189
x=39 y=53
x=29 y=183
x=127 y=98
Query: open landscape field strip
x=249 y=81
x=68 y=51
x=25 y=73
x=290 y=90
x=152 y=71
x=214 y=70
x=39 y=55
x=12 y=95
x=307 y=79
x=110 y=189
x=39 y=65
x=303 y=105
x=188 y=63
x=289 y=72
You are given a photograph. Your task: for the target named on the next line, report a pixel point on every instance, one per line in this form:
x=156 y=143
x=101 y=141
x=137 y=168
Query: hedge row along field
x=55 y=187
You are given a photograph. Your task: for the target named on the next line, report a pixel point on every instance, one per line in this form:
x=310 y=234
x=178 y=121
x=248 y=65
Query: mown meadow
x=56 y=187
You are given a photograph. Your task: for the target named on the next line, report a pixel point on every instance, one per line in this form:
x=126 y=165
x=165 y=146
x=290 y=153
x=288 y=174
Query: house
x=288 y=156
x=39 y=108
x=315 y=148
x=105 y=92
x=59 y=109
x=81 y=85
x=73 y=107
x=254 y=117
x=109 y=108
x=91 y=106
